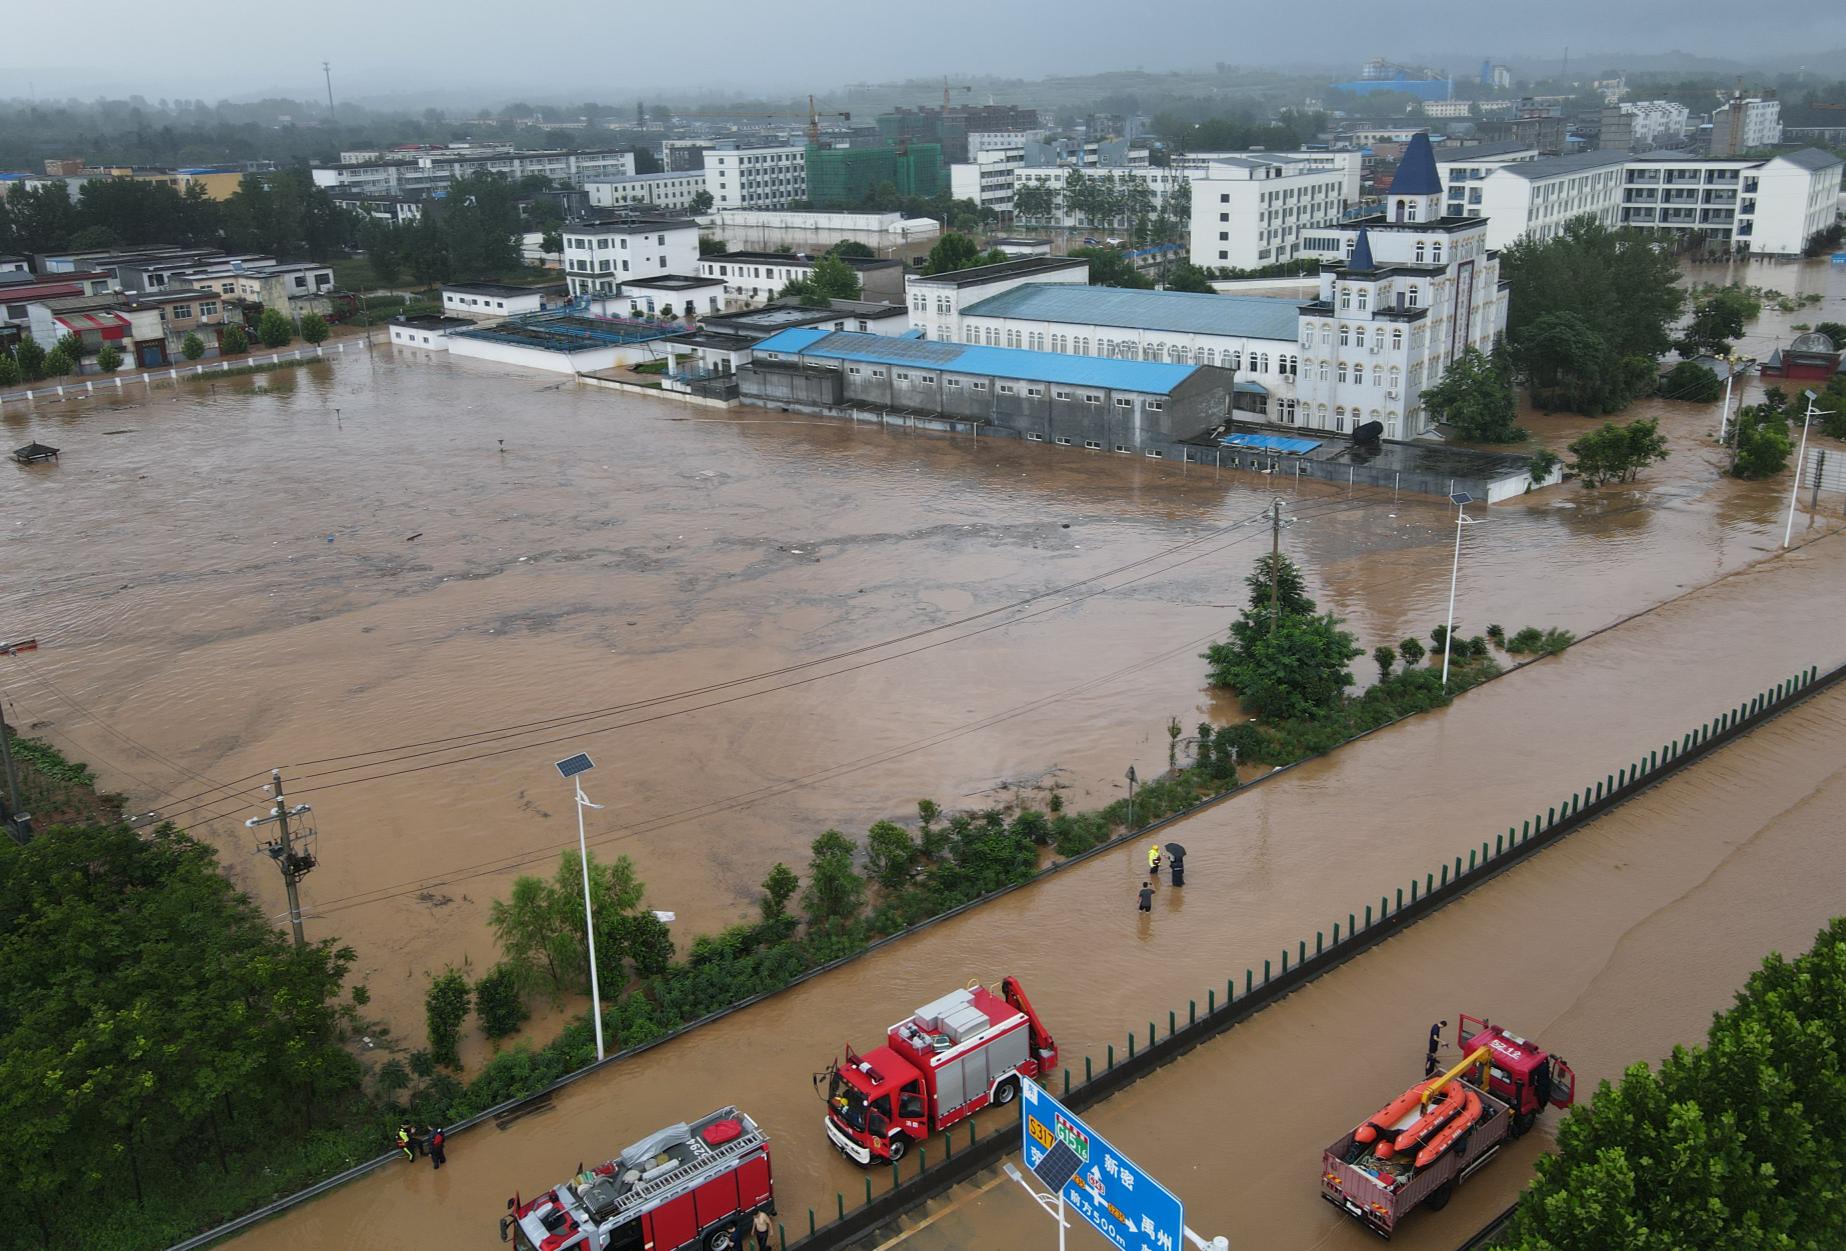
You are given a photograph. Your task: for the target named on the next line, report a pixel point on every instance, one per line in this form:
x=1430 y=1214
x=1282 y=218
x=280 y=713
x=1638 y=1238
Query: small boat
x=1387 y=1117
x=1452 y=1131
x=1454 y=1097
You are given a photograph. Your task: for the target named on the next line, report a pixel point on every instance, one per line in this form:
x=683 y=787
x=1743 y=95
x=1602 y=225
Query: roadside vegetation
x=1740 y=1142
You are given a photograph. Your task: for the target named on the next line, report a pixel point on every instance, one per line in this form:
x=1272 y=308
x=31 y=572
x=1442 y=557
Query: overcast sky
x=616 y=50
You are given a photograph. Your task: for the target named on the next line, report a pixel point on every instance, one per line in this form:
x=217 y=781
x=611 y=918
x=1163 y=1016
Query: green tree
x=889 y=854
x=273 y=328
x=1691 y=382
x=1716 y=321
x=58 y=363
x=849 y=247
x=1109 y=268
x=1295 y=669
x=1763 y=445
x=109 y=359
x=1475 y=399
x=1185 y=276
x=29 y=355
x=9 y=371
x=313 y=328
x=701 y=202
x=445 y=1007
x=233 y=340
x=952 y=252
x=426 y=251
x=1385 y=658
x=384 y=246
x=1035 y=202
x=1411 y=650
x=1617 y=453
x=647 y=942
x=91 y=238
x=835 y=891
x=1539 y=468
x=539 y=926
x=778 y=888
x=192 y=347
x=551 y=242
x=498 y=1003
x=71 y=345
x=830 y=279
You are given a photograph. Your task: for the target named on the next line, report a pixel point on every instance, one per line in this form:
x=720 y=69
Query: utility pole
x=1275 y=558
x=294 y=864
x=326 y=68
x=17 y=823
x=1788 y=532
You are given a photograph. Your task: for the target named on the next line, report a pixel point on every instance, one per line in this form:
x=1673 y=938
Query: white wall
x=488 y=307
x=582 y=361
x=1249 y=221
x=935 y=307
x=1792 y=203
x=412 y=336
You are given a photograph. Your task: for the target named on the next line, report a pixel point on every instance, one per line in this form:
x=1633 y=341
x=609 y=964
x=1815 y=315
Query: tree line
x=281 y=214
x=1739 y=1142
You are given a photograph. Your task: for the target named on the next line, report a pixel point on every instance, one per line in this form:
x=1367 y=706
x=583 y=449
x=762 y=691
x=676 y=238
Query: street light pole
x=1788 y=531
x=1462 y=500
x=569 y=770
x=1131 y=798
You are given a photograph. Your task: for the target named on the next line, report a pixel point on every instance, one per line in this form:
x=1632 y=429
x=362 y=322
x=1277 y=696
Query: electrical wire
x=583 y=733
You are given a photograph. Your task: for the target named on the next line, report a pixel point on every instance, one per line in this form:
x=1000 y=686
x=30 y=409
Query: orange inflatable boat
x=1470 y=1113
x=1453 y=1100
x=1386 y=1118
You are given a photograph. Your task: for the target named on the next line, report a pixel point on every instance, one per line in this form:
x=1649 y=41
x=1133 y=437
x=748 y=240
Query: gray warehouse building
x=1081 y=401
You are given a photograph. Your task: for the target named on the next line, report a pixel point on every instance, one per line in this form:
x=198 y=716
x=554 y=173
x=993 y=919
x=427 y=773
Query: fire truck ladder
x=652 y=1188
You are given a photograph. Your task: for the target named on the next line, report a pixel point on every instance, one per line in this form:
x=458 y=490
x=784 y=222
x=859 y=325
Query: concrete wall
x=582 y=361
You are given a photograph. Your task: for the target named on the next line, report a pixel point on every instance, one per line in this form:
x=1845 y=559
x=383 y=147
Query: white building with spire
x=1402 y=294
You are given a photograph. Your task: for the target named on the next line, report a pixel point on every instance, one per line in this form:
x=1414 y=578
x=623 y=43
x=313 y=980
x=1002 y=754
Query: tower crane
x=812 y=116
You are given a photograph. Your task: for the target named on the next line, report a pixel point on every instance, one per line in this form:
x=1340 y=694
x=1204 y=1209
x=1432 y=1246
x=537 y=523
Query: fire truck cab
x=947 y=1060
x=1523 y=1074
x=682 y=1187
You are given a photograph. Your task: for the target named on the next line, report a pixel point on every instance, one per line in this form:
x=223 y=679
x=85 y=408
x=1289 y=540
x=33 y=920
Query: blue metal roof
x=1271 y=443
x=1148 y=377
x=1175 y=312
x=1416 y=173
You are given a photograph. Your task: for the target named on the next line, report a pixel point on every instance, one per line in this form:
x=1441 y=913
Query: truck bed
x=1356 y=1191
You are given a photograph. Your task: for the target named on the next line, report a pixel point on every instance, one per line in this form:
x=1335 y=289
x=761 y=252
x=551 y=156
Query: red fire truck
x=1417 y=1149
x=945 y=1061
x=682 y=1187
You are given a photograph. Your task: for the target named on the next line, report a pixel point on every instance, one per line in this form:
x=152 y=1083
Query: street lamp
x=568 y=770
x=1131 y=797
x=1054 y=1207
x=1788 y=531
x=1461 y=500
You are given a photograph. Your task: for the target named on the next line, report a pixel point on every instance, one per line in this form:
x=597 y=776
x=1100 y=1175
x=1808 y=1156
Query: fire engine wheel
x=1440 y=1196
x=1006 y=1091
x=900 y=1146
x=723 y=1238
x=1523 y=1122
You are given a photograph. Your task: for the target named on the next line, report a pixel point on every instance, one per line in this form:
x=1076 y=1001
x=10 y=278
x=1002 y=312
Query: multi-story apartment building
x=600 y=256
x=674 y=189
x=1746 y=124
x=1251 y=211
x=1523 y=197
x=755 y=277
x=766 y=177
x=1761 y=205
x=1075 y=194
x=990 y=179
x=1656 y=123
x=1765 y=206
x=435 y=170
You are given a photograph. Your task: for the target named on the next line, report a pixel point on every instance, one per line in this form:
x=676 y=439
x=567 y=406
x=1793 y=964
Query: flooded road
x=1612 y=947
x=1313 y=843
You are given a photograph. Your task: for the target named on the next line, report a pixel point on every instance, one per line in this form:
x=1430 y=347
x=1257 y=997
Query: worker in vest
x=1153 y=862
x=405 y=1143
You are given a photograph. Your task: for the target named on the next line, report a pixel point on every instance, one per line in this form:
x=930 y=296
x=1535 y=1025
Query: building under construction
x=950 y=125
x=842 y=178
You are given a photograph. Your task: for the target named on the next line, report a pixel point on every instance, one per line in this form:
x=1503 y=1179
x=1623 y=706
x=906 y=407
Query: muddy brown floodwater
x=224 y=579
x=225 y=575
x=1264 y=869
x=1610 y=948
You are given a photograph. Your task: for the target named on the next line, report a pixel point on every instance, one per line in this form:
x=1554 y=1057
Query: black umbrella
x=1176 y=851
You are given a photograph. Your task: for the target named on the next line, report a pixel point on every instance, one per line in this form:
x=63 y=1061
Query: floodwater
x=224 y=579
x=1264 y=869
x=1610 y=948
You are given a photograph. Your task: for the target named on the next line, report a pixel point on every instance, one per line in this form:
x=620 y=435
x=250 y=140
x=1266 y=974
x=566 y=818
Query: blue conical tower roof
x=1361 y=257
x=1416 y=173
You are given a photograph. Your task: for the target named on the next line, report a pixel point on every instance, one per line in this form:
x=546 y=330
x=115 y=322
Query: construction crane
x=945 y=92
x=813 y=117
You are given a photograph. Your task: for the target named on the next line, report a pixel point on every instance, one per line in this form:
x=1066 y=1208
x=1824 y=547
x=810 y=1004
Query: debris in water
x=417 y=535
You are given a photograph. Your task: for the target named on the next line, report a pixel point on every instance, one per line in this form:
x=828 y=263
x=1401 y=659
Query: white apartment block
x=1251 y=211
x=991 y=179
x=1745 y=125
x=1446 y=108
x=1768 y=206
x=980 y=141
x=1657 y=123
x=600 y=256
x=759 y=178
x=1350 y=165
x=758 y=277
x=1764 y=206
x=1533 y=198
x=434 y=171
x=672 y=190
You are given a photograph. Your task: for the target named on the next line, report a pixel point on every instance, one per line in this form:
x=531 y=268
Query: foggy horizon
x=411 y=55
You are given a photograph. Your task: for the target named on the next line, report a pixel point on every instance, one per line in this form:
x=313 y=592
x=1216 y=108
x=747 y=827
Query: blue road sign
x=1128 y=1207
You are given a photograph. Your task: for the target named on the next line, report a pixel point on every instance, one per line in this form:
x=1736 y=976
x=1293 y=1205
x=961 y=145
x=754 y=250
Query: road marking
x=931 y=1220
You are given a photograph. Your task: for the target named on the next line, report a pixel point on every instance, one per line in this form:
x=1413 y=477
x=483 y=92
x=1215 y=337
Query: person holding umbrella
x=1176 y=859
